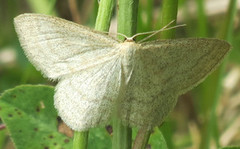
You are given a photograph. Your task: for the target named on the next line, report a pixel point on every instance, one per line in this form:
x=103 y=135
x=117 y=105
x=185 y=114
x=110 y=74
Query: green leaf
x=31 y=119
x=99 y=138
x=157 y=140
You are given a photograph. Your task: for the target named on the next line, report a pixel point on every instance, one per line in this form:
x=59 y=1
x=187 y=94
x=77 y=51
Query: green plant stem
x=201 y=20
x=103 y=19
x=122 y=135
x=145 y=17
x=43 y=6
x=225 y=33
x=141 y=139
x=169 y=13
x=80 y=140
x=52 y=6
x=227 y=27
x=127 y=25
x=104 y=15
x=127 y=17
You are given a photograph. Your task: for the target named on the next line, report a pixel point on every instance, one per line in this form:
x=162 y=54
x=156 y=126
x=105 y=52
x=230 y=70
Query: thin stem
x=202 y=20
x=141 y=139
x=145 y=23
x=122 y=135
x=104 y=15
x=127 y=25
x=41 y=7
x=52 y=6
x=127 y=17
x=80 y=140
x=225 y=31
x=169 y=13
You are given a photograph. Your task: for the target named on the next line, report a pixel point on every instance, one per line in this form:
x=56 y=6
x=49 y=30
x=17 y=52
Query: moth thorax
x=128 y=50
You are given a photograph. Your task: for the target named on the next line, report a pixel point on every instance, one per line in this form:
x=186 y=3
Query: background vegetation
x=207 y=117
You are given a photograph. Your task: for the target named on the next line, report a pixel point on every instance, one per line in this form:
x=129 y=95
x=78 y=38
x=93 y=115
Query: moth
x=100 y=76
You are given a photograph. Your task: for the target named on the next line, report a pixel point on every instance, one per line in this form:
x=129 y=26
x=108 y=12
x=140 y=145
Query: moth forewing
x=58 y=47
x=183 y=63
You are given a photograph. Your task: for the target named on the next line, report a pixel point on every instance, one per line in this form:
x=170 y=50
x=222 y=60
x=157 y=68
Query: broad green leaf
x=31 y=119
x=167 y=130
x=157 y=140
x=99 y=138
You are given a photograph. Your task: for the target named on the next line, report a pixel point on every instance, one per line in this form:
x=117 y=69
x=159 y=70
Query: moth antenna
x=150 y=32
x=120 y=34
x=157 y=31
x=127 y=38
x=144 y=39
x=110 y=33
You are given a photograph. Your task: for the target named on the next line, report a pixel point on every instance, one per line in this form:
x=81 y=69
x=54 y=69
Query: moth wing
x=179 y=65
x=85 y=99
x=58 y=47
x=164 y=70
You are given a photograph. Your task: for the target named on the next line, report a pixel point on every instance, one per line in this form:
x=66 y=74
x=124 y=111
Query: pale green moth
x=98 y=74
